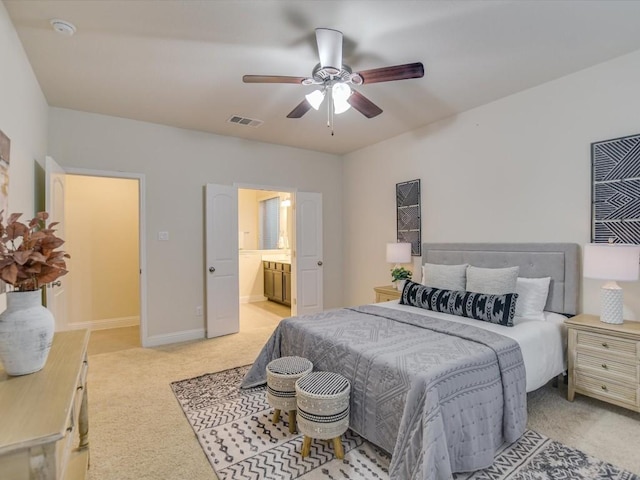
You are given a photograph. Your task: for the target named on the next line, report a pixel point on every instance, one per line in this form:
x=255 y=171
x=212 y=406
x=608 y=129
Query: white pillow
x=492 y=281
x=532 y=297
x=447 y=277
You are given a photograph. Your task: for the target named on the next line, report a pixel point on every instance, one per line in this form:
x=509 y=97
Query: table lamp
x=612 y=262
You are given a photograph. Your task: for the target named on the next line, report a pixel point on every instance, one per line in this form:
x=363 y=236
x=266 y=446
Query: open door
x=222 y=278
x=308 y=255
x=54 y=204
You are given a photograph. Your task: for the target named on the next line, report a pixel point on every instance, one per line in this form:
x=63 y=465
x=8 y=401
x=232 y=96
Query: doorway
x=222 y=256
x=265 y=244
x=103 y=217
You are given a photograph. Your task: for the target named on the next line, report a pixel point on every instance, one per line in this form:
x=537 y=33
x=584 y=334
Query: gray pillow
x=448 y=277
x=493 y=281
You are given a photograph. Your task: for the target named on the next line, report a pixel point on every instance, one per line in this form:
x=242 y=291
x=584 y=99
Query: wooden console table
x=43 y=414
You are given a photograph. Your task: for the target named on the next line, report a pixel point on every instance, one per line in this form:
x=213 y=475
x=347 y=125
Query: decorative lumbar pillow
x=498 y=309
x=494 y=281
x=450 y=277
x=532 y=297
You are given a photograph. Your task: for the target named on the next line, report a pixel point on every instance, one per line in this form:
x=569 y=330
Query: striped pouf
x=282 y=374
x=323 y=409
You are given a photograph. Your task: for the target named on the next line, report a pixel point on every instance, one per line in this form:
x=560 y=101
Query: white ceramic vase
x=26 y=332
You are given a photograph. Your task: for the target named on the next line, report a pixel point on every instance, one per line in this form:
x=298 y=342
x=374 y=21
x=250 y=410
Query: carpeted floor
x=237 y=435
x=138 y=430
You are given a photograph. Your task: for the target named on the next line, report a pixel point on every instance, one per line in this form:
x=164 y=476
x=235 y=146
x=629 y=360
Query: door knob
x=212 y=269
x=319 y=263
x=57 y=283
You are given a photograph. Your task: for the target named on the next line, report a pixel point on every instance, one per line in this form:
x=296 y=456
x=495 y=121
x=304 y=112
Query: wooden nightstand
x=604 y=360
x=386 y=293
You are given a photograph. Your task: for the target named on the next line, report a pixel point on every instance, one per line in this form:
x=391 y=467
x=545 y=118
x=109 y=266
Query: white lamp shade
x=611 y=261
x=315 y=98
x=341 y=91
x=398 y=252
x=340 y=106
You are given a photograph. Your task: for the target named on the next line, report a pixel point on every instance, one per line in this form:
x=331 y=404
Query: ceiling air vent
x=248 y=122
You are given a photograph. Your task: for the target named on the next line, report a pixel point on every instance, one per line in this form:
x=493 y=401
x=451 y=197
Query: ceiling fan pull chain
x=331 y=108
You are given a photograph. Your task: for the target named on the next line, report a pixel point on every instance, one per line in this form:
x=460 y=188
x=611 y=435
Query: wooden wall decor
x=408 y=219
x=615 y=190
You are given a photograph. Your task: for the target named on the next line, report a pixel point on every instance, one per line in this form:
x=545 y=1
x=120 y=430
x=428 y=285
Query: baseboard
x=165 y=339
x=253 y=299
x=106 y=323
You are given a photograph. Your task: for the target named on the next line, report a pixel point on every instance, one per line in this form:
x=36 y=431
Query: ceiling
x=181 y=63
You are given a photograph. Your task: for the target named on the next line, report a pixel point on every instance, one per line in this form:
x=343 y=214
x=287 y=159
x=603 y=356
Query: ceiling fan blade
x=271 y=79
x=363 y=105
x=397 y=72
x=329 y=48
x=302 y=108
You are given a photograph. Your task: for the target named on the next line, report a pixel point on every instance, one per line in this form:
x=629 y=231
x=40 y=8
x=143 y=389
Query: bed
x=440 y=392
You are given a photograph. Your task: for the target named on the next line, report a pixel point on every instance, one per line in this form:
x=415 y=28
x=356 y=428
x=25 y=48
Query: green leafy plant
x=28 y=256
x=400 y=273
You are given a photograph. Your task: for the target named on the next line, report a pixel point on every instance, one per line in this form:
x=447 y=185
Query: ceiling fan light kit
x=336 y=78
x=315 y=98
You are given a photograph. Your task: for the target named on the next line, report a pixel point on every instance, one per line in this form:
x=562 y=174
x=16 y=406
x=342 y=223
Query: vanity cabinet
x=277 y=282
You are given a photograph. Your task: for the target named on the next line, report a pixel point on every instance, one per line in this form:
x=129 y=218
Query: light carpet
x=235 y=431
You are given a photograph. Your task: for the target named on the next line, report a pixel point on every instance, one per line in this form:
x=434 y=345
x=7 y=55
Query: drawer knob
x=605 y=344
x=604 y=387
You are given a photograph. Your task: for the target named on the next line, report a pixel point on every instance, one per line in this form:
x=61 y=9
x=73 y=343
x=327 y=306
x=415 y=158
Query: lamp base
x=611 y=303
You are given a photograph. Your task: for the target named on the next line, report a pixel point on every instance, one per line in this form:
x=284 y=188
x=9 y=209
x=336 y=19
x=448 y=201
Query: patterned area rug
x=235 y=431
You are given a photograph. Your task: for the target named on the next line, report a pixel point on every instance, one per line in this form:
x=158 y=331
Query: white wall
x=247 y=219
x=515 y=170
x=23 y=118
x=251 y=276
x=177 y=164
x=101 y=226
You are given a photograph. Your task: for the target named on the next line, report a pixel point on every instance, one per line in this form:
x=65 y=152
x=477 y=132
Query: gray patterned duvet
x=440 y=396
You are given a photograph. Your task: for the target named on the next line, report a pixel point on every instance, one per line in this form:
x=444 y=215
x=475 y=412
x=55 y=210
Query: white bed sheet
x=543 y=343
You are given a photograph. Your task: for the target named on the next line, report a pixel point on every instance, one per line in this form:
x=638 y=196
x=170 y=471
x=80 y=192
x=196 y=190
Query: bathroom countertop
x=277 y=258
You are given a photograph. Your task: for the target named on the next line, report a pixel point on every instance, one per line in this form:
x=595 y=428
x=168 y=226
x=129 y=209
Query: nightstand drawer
x=605 y=343
x=604 y=365
x=620 y=392
x=383 y=297
x=387 y=293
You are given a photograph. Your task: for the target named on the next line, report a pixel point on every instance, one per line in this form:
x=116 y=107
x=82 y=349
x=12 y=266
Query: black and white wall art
x=615 y=190
x=408 y=215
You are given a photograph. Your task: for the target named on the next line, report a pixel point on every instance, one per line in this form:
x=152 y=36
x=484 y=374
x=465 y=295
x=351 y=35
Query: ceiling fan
x=335 y=79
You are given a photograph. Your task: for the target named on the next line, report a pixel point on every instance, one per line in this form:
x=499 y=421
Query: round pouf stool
x=282 y=374
x=323 y=409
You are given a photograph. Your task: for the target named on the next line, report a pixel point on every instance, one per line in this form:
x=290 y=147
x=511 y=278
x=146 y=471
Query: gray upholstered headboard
x=560 y=261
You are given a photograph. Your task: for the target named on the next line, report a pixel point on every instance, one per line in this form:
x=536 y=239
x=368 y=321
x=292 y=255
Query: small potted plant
x=399 y=276
x=28 y=261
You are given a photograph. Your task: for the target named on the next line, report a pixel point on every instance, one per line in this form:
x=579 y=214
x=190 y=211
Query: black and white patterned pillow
x=498 y=309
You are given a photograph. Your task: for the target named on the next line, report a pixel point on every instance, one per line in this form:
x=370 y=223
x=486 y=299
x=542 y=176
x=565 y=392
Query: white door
x=308 y=256
x=223 y=302
x=54 y=205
